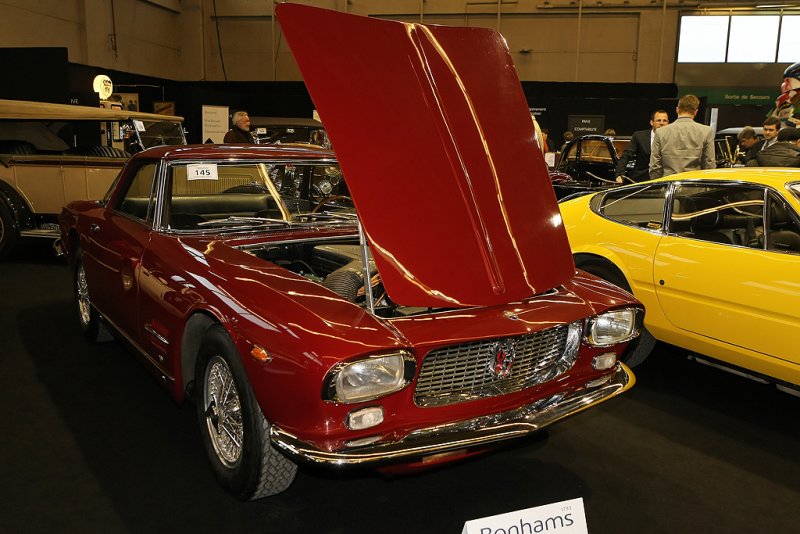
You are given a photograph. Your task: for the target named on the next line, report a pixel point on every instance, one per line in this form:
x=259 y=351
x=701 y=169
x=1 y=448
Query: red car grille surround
x=479 y=369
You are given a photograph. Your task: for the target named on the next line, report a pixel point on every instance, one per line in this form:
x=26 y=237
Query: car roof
x=735 y=131
x=776 y=177
x=211 y=151
x=285 y=121
x=27 y=110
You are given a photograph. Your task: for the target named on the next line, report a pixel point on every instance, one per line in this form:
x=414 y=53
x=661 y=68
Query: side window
x=136 y=200
x=641 y=206
x=620 y=145
x=572 y=153
x=783 y=230
x=720 y=213
x=595 y=150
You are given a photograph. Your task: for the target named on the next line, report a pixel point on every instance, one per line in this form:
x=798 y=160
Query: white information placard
x=565 y=517
x=215 y=123
x=202 y=171
x=139 y=125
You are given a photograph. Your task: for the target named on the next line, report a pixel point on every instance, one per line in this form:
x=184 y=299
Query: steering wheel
x=333 y=198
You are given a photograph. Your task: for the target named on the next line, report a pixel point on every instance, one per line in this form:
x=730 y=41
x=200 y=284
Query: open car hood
x=434 y=137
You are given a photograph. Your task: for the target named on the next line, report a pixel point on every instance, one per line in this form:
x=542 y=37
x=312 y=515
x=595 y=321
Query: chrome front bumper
x=472 y=433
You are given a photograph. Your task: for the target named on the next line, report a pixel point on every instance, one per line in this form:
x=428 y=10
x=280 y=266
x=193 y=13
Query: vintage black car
x=289 y=130
x=589 y=163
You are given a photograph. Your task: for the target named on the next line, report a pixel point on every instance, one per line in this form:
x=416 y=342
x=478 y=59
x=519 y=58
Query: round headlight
x=613 y=327
x=369 y=378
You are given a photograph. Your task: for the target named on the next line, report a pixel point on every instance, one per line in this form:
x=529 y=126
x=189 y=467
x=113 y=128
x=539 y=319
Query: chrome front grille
x=469 y=371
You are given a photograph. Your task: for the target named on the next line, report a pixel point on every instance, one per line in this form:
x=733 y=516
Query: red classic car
x=446 y=317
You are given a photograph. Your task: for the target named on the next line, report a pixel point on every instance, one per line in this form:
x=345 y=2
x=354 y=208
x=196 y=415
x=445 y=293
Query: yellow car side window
x=635 y=206
x=728 y=214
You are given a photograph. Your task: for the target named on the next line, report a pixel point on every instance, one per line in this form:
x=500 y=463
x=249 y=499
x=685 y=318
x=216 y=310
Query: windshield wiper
x=311 y=218
x=243 y=221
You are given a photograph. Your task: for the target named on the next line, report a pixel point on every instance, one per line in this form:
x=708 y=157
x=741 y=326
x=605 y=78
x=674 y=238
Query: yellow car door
x=720 y=274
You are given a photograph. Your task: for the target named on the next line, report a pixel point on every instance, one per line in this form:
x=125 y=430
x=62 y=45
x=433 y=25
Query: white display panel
x=789 y=50
x=753 y=39
x=703 y=39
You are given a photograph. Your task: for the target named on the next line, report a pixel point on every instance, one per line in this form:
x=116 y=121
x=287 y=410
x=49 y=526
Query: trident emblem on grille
x=502 y=360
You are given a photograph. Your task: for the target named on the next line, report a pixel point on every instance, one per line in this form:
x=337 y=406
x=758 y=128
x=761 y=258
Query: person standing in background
x=548 y=143
x=639 y=150
x=785 y=152
x=749 y=142
x=771 y=127
x=240 y=133
x=684 y=145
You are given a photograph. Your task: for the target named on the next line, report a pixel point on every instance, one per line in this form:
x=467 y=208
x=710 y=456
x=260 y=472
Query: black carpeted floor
x=92 y=444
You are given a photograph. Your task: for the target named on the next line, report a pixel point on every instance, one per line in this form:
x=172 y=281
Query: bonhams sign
x=565 y=517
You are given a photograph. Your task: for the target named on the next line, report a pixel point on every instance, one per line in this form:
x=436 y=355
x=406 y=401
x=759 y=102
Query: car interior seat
x=782 y=234
x=707 y=225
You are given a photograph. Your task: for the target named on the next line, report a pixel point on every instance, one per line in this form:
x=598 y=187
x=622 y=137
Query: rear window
x=641 y=206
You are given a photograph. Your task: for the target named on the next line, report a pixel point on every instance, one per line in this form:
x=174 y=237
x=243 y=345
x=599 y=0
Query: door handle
x=94 y=227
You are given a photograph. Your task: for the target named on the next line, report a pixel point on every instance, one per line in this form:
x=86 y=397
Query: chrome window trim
x=145 y=222
x=713 y=183
x=638 y=187
x=790 y=187
x=736 y=183
x=167 y=165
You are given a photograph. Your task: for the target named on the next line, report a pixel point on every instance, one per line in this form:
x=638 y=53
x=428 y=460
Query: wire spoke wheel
x=223 y=412
x=82 y=293
x=235 y=433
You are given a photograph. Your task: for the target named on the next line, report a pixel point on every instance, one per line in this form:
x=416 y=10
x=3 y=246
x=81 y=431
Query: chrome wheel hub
x=84 y=304
x=223 y=412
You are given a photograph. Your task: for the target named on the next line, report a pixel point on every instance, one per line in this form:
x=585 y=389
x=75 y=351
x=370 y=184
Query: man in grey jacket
x=684 y=145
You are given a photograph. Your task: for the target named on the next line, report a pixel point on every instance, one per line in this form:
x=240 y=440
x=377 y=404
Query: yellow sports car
x=713 y=255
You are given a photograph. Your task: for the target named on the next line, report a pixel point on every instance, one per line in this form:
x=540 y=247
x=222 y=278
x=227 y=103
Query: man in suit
x=639 y=150
x=785 y=152
x=771 y=127
x=684 y=145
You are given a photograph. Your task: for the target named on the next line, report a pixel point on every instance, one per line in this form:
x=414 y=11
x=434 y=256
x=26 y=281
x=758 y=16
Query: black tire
x=255 y=469
x=641 y=347
x=89 y=320
x=9 y=234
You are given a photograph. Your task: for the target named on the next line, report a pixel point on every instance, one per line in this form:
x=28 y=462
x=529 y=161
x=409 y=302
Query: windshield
x=218 y=195
x=273 y=135
x=155 y=133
